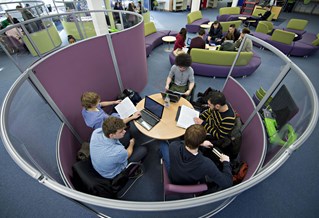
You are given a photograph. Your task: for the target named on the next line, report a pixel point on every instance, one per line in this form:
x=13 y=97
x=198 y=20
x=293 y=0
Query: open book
x=186 y=117
x=126 y=108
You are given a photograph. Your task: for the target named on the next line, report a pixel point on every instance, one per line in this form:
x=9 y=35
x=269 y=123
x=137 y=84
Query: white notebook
x=186 y=117
x=126 y=108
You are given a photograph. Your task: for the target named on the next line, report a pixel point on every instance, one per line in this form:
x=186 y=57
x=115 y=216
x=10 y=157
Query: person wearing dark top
x=180 y=39
x=215 y=34
x=260 y=16
x=232 y=33
x=218 y=120
x=186 y=165
x=198 y=41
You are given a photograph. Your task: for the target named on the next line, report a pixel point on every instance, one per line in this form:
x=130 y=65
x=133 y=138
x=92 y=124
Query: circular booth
x=50 y=90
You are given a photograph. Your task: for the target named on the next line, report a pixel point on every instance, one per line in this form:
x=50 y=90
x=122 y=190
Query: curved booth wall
x=102 y=64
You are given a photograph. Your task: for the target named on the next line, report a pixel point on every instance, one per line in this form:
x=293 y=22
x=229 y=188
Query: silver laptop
x=172 y=97
x=151 y=114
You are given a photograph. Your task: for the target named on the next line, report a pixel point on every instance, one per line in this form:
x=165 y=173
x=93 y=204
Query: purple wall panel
x=68 y=148
x=240 y=101
x=129 y=47
x=252 y=148
x=253 y=138
x=85 y=66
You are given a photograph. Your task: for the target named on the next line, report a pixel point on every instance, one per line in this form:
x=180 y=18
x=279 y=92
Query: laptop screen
x=154 y=107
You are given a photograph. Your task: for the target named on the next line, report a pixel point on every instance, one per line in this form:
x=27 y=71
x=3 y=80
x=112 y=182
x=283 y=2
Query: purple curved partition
x=253 y=145
x=88 y=66
x=129 y=48
x=68 y=147
x=239 y=99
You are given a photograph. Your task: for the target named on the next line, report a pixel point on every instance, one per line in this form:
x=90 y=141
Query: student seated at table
x=198 y=41
x=215 y=34
x=186 y=165
x=218 y=120
x=247 y=47
x=180 y=39
x=108 y=155
x=260 y=16
x=92 y=111
x=181 y=76
x=232 y=34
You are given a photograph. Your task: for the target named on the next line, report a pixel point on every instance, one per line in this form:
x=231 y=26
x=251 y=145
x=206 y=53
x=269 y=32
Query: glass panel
x=287 y=115
x=27 y=128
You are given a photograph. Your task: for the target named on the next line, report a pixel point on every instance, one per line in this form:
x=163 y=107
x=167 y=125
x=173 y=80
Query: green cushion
x=225 y=25
x=264 y=27
x=297 y=24
x=315 y=42
x=221 y=58
x=229 y=10
x=193 y=16
x=149 y=28
x=258 y=11
x=283 y=36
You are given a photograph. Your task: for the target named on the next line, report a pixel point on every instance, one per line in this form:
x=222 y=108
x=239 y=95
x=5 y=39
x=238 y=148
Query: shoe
x=137 y=173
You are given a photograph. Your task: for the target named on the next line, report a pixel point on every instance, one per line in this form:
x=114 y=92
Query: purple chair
x=170 y=188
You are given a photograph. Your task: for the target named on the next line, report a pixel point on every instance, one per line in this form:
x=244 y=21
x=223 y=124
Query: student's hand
x=132 y=141
x=167 y=87
x=223 y=158
x=117 y=101
x=187 y=93
x=207 y=144
x=198 y=120
x=218 y=40
x=136 y=115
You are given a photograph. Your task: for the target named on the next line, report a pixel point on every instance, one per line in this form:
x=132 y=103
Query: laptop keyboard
x=148 y=118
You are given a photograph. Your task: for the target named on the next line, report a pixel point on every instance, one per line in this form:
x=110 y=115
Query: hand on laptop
x=136 y=115
x=198 y=120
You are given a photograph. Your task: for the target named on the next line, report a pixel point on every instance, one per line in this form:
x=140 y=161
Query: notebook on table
x=151 y=114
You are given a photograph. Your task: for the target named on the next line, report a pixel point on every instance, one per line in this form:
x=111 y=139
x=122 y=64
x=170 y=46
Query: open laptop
x=151 y=114
x=172 y=97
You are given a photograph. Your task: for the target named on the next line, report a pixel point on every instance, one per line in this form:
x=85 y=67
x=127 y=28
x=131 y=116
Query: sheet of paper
x=126 y=108
x=186 y=117
x=185 y=49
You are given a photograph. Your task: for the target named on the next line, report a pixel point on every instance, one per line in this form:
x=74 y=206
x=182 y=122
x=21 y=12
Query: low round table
x=250 y=22
x=166 y=128
x=169 y=39
x=242 y=18
x=205 y=26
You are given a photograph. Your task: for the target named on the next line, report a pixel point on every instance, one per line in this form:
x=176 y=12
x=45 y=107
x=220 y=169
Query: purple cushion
x=154 y=39
x=195 y=26
x=149 y=49
x=222 y=71
x=301 y=49
x=284 y=48
x=223 y=17
x=308 y=38
x=299 y=32
x=261 y=36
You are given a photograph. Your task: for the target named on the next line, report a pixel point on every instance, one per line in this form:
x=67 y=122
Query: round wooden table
x=169 y=39
x=166 y=128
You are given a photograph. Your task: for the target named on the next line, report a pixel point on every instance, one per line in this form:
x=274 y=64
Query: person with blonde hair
x=92 y=111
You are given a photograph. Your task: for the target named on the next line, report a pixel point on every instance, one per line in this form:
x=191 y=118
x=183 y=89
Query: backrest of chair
x=193 y=16
x=283 y=36
x=270 y=17
x=225 y=25
x=261 y=27
x=149 y=28
x=297 y=24
x=229 y=10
